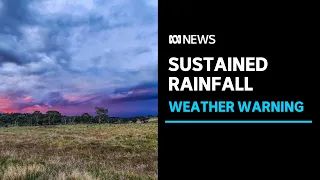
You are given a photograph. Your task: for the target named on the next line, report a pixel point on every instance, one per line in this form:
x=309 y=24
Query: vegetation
x=54 y=146
x=92 y=151
x=55 y=118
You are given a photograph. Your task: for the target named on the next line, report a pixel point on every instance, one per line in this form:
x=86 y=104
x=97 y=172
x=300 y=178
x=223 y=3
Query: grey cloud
x=6 y=56
x=14 y=14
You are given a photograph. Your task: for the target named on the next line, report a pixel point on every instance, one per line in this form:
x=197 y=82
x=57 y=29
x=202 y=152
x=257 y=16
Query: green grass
x=121 y=151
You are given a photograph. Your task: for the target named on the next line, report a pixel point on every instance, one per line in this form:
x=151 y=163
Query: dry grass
x=23 y=172
x=84 y=152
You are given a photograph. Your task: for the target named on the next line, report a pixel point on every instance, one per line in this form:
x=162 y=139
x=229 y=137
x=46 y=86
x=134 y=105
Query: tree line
x=53 y=117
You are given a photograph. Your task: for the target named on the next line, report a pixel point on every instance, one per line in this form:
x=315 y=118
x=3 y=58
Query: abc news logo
x=192 y=39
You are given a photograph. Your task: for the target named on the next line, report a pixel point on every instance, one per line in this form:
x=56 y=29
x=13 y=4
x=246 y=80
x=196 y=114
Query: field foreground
x=118 y=151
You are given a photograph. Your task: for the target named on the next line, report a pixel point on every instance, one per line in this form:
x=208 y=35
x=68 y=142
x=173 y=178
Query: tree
x=52 y=116
x=102 y=113
x=37 y=115
x=64 y=119
x=85 y=117
x=19 y=119
x=134 y=120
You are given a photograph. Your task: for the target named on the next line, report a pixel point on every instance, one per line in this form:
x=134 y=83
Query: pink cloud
x=78 y=97
x=27 y=99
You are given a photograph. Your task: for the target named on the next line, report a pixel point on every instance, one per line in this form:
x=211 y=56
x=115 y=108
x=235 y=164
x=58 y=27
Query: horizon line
x=236 y=121
x=93 y=114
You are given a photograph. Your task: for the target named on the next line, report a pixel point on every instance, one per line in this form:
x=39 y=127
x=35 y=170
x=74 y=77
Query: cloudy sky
x=73 y=55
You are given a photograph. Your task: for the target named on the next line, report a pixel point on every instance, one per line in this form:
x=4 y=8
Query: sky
x=74 y=55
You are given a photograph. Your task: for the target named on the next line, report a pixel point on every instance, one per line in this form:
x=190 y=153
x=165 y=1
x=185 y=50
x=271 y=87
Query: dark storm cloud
x=13 y=14
x=16 y=10
x=145 y=91
x=149 y=85
x=6 y=56
x=135 y=97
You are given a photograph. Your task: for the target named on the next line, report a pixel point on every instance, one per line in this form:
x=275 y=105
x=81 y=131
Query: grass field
x=118 y=151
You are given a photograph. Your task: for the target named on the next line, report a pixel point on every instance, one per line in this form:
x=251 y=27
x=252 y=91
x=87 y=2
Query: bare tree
x=64 y=118
x=102 y=113
x=37 y=115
